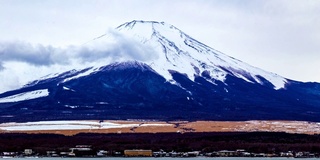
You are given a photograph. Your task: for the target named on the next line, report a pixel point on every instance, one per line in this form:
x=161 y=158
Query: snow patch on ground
x=25 y=96
x=69 y=125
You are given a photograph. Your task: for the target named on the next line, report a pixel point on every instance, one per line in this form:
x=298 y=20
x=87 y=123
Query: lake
x=169 y=158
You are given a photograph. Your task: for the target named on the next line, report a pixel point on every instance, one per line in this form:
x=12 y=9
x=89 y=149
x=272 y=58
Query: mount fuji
x=172 y=77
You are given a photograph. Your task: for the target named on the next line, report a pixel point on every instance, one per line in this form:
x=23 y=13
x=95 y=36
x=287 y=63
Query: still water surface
x=168 y=158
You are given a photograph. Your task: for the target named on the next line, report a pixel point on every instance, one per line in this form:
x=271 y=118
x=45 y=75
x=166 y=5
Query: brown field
x=198 y=126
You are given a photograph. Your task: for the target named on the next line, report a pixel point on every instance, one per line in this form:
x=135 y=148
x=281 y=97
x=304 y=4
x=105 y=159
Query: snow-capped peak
x=165 y=48
x=180 y=52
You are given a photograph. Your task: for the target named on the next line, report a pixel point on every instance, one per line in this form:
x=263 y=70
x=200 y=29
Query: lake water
x=168 y=158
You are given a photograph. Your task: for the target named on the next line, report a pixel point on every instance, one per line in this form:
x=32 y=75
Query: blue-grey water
x=168 y=158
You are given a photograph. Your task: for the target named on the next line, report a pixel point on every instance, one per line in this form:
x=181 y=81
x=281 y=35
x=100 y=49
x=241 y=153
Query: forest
x=258 y=142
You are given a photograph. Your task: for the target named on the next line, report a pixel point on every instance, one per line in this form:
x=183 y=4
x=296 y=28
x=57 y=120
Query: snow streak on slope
x=178 y=51
x=25 y=96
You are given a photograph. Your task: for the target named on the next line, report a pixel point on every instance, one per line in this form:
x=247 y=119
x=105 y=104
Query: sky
x=40 y=36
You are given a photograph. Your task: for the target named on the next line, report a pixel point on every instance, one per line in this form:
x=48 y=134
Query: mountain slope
x=174 y=77
x=178 y=51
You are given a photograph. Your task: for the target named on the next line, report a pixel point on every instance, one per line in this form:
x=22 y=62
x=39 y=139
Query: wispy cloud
x=25 y=52
x=120 y=48
x=26 y=62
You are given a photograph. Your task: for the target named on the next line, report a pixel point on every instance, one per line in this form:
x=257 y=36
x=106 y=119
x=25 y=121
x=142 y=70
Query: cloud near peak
x=40 y=60
x=119 y=48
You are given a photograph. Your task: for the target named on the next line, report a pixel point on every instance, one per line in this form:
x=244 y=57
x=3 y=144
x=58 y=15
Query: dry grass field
x=180 y=127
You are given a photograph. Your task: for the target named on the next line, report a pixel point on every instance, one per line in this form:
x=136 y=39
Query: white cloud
x=22 y=62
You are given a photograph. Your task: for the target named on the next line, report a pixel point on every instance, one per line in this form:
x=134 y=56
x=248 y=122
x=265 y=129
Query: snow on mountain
x=173 y=50
x=68 y=89
x=86 y=73
x=170 y=49
x=25 y=96
x=178 y=51
x=157 y=68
